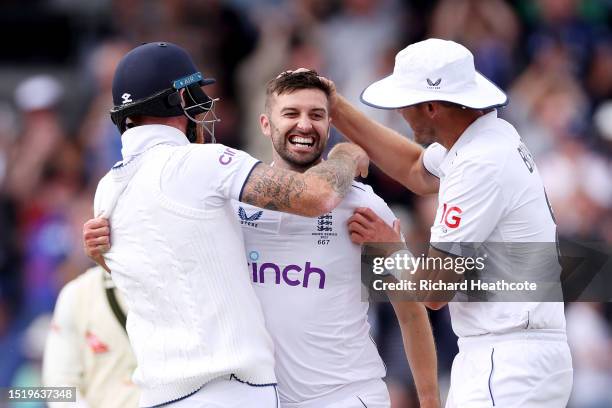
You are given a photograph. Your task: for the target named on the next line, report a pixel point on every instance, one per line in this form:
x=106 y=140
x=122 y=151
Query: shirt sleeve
x=469 y=207
x=207 y=175
x=233 y=169
x=433 y=157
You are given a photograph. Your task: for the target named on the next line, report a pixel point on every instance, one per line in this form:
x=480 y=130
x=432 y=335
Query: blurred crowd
x=553 y=57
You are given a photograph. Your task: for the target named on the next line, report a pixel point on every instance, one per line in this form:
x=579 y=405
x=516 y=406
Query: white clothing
x=88 y=348
x=490 y=193
x=307 y=275
x=227 y=392
x=526 y=369
x=176 y=256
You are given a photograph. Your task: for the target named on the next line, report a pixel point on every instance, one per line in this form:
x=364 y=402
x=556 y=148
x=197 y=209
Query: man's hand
x=333 y=95
x=96 y=239
x=357 y=154
x=366 y=226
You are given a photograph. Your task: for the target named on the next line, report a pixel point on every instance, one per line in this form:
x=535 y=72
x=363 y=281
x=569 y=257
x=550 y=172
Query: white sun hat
x=434 y=70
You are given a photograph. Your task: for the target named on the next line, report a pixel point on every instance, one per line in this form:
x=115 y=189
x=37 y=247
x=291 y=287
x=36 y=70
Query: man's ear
x=264 y=123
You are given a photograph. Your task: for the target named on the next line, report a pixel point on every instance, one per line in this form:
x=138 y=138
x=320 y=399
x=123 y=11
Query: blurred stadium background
x=554 y=58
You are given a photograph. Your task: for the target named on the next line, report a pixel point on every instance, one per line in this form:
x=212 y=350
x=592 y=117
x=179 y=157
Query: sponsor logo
x=249 y=220
x=433 y=84
x=451 y=216
x=527 y=157
x=186 y=81
x=280 y=273
x=226 y=156
x=253 y=255
x=95 y=344
x=127 y=98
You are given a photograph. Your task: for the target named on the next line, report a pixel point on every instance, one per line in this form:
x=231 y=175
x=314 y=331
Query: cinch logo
x=226 y=157
x=246 y=219
x=448 y=216
x=258 y=273
x=433 y=84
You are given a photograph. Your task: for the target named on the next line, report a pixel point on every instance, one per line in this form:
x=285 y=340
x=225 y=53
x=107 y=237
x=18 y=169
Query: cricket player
x=307 y=273
x=512 y=354
x=194 y=322
x=87 y=346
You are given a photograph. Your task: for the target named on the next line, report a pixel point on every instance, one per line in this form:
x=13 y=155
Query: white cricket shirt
x=307 y=275
x=178 y=259
x=491 y=192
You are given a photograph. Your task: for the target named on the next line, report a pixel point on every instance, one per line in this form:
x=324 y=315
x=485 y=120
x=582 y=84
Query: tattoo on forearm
x=273 y=189
x=338 y=172
x=282 y=190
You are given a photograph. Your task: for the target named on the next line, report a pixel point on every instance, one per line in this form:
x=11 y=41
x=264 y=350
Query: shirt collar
x=138 y=139
x=468 y=135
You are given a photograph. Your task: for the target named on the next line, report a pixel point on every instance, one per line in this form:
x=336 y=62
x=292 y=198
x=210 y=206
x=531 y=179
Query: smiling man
x=307 y=273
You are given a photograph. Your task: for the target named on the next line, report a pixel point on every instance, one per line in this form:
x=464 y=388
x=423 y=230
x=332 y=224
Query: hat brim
x=389 y=93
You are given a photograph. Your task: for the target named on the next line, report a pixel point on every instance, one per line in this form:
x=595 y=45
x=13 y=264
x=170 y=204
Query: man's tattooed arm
x=312 y=193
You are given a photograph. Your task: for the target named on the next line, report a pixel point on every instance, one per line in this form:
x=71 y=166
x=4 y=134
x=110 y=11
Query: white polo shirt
x=490 y=193
x=307 y=275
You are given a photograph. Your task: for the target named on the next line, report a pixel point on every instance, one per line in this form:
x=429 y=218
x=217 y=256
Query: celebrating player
x=306 y=273
x=489 y=190
x=194 y=322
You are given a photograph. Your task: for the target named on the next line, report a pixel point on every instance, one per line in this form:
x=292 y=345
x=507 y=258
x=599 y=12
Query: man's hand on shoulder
x=367 y=226
x=356 y=153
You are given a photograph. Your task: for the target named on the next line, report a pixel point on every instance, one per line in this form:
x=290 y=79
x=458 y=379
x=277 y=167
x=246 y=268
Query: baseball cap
x=434 y=70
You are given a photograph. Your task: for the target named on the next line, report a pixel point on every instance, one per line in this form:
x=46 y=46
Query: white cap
x=38 y=92
x=434 y=70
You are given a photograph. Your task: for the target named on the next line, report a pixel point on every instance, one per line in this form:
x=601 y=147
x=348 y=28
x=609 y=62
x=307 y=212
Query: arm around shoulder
x=315 y=192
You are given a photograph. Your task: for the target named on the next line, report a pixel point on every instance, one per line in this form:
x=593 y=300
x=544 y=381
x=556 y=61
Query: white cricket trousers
x=369 y=394
x=526 y=369
x=228 y=392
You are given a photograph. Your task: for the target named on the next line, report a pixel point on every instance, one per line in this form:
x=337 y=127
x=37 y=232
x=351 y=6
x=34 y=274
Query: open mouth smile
x=307 y=141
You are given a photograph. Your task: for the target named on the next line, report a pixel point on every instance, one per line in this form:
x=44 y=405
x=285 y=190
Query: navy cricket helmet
x=148 y=81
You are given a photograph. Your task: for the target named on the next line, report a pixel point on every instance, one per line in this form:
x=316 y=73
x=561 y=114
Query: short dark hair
x=290 y=81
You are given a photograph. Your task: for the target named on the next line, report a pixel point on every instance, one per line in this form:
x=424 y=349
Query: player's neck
x=278 y=162
x=454 y=128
